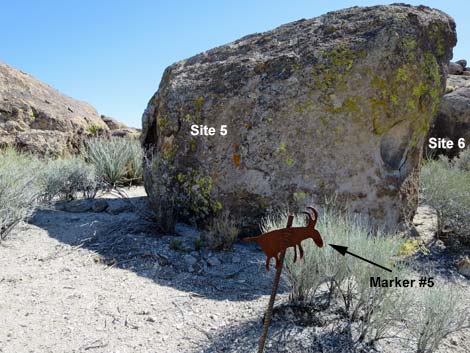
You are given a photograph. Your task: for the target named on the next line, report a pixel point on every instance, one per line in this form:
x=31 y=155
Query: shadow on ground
x=283 y=337
x=125 y=240
x=439 y=260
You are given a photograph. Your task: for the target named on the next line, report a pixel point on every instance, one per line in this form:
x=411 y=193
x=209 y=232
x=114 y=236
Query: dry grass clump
x=222 y=232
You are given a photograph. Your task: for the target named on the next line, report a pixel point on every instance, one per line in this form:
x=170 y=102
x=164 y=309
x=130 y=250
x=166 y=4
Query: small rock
x=462 y=63
x=186 y=231
x=118 y=206
x=196 y=268
x=163 y=260
x=455 y=69
x=214 y=261
x=189 y=260
x=466 y=73
x=439 y=244
x=463 y=266
x=150 y=319
x=75 y=206
x=99 y=205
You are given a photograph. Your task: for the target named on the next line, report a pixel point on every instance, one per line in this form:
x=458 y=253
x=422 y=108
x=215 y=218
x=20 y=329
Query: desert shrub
x=222 y=232
x=441 y=311
x=117 y=161
x=19 y=190
x=66 y=178
x=94 y=129
x=446 y=187
x=462 y=162
x=346 y=278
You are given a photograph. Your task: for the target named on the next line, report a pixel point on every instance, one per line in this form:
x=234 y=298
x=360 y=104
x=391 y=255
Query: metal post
x=269 y=311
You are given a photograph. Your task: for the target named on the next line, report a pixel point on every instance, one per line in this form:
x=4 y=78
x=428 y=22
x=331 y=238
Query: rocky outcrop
x=37 y=118
x=112 y=123
x=455 y=69
x=119 y=129
x=453 y=116
x=335 y=105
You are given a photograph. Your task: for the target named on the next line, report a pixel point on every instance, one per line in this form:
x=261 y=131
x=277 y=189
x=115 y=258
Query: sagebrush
x=19 y=190
x=445 y=185
x=441 y=311
x=346 y=278
x=462 y=161
x=65 y=179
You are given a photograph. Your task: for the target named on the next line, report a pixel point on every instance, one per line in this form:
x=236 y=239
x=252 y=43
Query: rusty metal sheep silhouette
x=276 y=242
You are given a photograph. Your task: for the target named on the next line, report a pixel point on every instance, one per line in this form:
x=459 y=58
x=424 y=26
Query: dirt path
x=59 y=294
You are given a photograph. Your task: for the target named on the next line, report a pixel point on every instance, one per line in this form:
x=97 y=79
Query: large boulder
x=37 y=118
x=334 y=106
x=453 y=116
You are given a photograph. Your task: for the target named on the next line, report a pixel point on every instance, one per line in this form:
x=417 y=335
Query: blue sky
x=112 y=53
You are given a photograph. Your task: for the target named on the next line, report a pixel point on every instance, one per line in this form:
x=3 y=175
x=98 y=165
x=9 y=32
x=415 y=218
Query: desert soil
x=106 y=282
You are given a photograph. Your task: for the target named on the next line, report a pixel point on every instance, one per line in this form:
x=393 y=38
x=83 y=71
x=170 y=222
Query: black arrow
x=343 y=250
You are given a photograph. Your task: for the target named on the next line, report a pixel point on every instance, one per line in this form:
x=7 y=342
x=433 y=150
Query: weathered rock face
x=453 y=116
x=112 y=123
x=338 y=104
x=37 y=118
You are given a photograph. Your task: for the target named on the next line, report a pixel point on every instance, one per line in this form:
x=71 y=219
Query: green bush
x=19 y=190
x=94 y=129
x=445 y=186
x=117 y=161
x=64 y=179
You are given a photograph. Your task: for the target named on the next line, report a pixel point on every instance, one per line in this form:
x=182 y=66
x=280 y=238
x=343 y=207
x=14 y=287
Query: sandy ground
x=58 y=296
x=102 y=282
